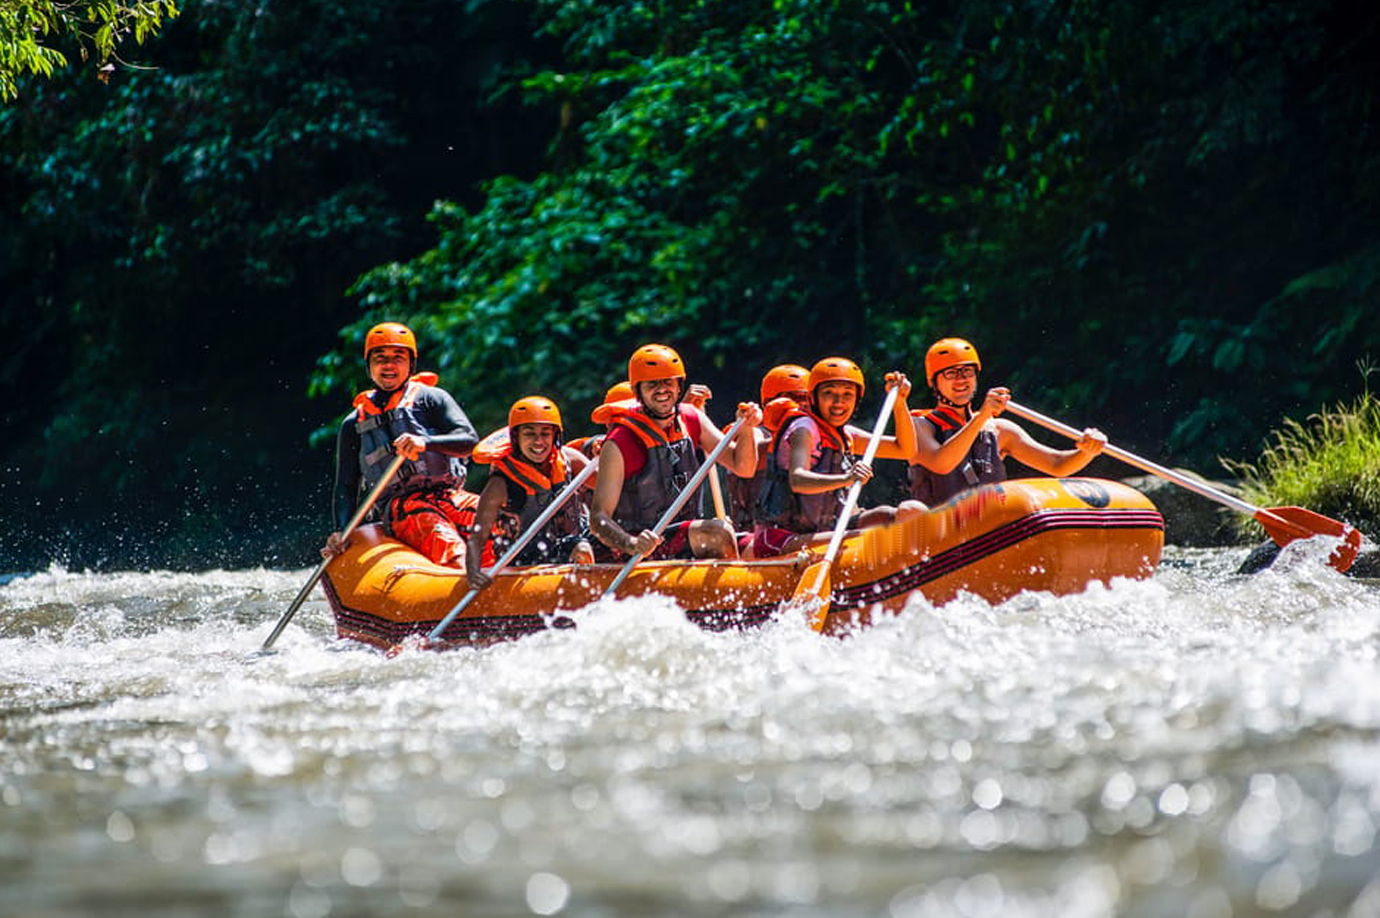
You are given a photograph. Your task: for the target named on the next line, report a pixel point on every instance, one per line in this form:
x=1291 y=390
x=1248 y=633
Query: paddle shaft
x=350 y=527
x=855 y=489
x=681 y=498
x=516 y=548
x=716 y=491
x=1116 y=452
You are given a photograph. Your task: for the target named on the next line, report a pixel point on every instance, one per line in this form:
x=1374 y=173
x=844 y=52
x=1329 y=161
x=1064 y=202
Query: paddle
x=812 y=592
x=1284 y=524
x=716 y=492
x=516 y=548
x=350 y=527
x=697 y=399
x=684 y=495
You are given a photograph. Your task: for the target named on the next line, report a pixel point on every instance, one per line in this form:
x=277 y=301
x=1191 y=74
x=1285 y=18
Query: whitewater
x=1201 y=744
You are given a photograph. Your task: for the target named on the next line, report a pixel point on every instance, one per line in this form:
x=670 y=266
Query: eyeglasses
x=959 y=373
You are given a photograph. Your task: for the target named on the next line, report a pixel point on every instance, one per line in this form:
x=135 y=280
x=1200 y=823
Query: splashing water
x=1199 y=744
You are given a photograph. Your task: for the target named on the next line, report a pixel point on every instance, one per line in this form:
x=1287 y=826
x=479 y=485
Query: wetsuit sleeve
x=345 y=495
x=454 y=434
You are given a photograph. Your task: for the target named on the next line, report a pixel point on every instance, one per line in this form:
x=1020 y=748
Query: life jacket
x=982 y=465
x=588 y=445
x=532 y=488
x=778 y=505
x=742 y=493
x=672 y=460
x=379 y=427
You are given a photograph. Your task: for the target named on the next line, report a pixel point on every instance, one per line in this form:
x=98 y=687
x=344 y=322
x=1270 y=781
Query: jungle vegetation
x=1155 y=217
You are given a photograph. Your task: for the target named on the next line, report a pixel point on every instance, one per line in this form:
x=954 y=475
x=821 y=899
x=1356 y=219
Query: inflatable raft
x=1056 y=535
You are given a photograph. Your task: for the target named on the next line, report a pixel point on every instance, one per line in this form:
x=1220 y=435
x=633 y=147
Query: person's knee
x=876 y=516
x=713 y=539
x=910 y=508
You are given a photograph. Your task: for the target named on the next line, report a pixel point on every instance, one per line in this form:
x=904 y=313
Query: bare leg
x=712 y=539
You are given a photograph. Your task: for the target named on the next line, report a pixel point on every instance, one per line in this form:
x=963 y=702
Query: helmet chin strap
x=942 y=399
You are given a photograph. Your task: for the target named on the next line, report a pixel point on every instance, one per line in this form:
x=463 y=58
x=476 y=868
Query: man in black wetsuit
x=408 y=415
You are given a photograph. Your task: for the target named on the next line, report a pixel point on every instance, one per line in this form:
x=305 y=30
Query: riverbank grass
x=1329 y=464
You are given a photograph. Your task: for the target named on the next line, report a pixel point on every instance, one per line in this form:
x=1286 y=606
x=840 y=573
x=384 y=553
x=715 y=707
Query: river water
x=1200 y=744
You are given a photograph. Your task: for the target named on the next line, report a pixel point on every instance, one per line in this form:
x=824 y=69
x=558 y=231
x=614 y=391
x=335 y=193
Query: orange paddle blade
x=1285 y=524
x=812 y=594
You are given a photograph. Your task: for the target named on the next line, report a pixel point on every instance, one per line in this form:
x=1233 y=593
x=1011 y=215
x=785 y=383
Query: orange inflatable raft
x=1049 y=534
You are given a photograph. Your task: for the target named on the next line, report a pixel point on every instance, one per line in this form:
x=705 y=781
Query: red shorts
x=675 y=543
x=437 y=524
x=770 y=541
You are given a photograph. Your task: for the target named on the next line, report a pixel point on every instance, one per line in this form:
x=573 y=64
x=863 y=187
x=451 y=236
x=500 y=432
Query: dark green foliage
x=183 y=237
x=1127 y=206
x=1156 y=217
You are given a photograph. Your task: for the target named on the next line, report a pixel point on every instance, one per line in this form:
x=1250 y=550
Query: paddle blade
x=1285 y=524
x=812 y=594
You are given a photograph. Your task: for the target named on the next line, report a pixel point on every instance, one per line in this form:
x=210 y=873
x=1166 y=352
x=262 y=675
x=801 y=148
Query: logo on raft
x=1089 y=492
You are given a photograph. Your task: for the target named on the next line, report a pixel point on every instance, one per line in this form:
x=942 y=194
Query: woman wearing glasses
x=957 y=448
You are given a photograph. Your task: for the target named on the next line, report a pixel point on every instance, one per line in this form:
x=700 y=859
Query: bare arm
x=944 y=458
x=575 y=460
x=804 y=481
x=608 y=486
x=1013 y=441
x=491 y=500
x=741 y=456
x=901 y=446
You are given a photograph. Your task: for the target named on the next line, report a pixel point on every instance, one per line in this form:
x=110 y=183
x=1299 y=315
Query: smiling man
x=651 y=452
x=406 y=414
x=958 y=448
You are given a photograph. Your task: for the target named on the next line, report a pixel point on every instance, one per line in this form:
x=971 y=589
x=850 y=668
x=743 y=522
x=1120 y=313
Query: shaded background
x=1157 y=217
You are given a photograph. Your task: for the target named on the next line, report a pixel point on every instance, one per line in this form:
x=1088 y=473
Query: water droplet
x=987 y=794
x=360 y=867
x=119 y=827
x=547 y=893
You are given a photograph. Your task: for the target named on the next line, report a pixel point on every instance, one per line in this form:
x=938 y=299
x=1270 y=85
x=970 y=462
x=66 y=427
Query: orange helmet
x=832 y=369
x=786 y=378
x=535 y=409
x=654 y=361
x=613 y=401
x=390 y=334
x=949 y=352
x=619 y=392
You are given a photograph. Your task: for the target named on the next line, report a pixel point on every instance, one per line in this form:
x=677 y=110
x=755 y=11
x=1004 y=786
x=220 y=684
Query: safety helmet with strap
x=949 y=352
x=835 y=369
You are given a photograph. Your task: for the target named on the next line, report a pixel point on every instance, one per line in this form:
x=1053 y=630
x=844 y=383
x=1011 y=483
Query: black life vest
x=778 y=505
x=742 y=493
x=672 y=460
x=379 y=427
x=982 y=465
